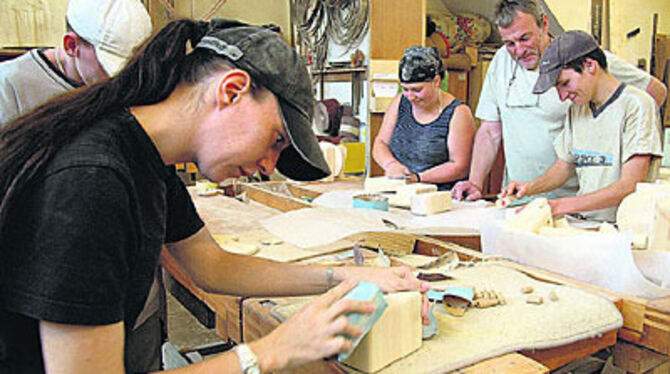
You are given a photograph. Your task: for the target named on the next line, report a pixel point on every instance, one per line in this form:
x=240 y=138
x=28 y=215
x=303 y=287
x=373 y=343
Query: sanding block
x=364 y=291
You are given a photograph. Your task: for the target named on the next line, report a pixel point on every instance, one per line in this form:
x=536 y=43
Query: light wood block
x=431 y=203
x=637 y=360
x=535 y=215
x=396 y=334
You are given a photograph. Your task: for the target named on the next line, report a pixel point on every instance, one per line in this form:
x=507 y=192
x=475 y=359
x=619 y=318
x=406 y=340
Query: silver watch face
x=253 y=370
x=248 y=360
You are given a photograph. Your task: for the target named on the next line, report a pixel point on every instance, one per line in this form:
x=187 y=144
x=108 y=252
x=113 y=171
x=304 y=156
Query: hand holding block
x=364 y=291
x=397 y=333
x=535 y=215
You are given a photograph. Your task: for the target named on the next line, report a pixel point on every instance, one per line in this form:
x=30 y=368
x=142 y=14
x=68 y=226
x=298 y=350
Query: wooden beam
x=556 y=357
x=635 y=359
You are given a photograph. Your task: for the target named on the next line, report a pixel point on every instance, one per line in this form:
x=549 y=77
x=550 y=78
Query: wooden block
x=382 y=184
x=535 y=215
x=662 y=369
x=403 y=194
x=511 y=363
x=659 y=230
x=431 y=203
x=637 y=360
x=396 y=334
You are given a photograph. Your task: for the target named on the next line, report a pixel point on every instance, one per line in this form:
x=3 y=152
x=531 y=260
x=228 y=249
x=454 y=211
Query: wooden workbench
x=243 y=320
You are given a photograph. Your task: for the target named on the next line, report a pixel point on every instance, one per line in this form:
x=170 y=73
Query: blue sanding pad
x=364 y=291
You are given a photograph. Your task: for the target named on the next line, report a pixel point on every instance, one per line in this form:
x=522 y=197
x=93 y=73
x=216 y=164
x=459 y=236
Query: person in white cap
x=100 y=37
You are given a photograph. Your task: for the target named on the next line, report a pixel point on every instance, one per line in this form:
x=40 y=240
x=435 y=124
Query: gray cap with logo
x=276 y=66
x=567 y=47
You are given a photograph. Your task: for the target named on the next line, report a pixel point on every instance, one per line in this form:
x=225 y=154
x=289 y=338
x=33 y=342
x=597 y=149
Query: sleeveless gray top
x=420 y=147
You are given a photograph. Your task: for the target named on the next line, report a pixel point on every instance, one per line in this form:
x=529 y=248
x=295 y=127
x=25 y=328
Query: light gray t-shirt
x=530 y=122
x=600 y=141
x=27 y=82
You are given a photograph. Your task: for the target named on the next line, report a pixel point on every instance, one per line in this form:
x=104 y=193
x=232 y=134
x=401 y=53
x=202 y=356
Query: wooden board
x=386 y=16
x=637 y=360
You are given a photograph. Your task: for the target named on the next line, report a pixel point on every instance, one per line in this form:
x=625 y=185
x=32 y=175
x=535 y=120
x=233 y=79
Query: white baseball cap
x=113 y=27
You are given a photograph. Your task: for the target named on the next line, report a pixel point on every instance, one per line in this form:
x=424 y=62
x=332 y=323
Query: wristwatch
x=248 y=360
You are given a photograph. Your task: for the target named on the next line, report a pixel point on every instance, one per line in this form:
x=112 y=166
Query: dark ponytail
x=29 y=142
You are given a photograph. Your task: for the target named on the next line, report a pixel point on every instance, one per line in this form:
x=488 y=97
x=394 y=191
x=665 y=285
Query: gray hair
x=505 y=12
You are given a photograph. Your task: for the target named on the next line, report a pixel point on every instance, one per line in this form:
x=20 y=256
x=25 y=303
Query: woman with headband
x=426 y=134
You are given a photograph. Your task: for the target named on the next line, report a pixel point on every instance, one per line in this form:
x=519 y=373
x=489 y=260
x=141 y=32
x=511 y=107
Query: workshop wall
x=31 y=22
x=251 y=11
x=625 y=16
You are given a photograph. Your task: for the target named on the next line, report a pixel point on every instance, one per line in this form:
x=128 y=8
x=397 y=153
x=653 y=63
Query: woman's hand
x=313 y=333
x=394 y=279
x=397 y=170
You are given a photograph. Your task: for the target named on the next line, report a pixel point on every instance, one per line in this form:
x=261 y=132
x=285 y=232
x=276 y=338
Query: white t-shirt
x=530 y=122
x=27 y=82
x=600 y=141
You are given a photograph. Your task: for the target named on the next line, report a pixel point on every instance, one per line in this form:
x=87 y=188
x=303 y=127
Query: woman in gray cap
x=89 y=197
x=426 y=134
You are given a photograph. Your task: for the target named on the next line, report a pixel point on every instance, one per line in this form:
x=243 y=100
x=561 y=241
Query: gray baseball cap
x=567 y=47
x=273 y=64
x=419 y=64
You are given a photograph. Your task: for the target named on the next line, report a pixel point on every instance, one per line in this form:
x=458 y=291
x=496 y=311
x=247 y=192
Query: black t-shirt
x=82 y=242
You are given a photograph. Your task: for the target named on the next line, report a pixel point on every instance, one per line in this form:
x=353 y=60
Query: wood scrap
x=527 y=290
x=433 y=277
x=534 y=299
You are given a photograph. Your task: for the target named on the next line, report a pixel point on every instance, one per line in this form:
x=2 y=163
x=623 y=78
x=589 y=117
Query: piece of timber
x=395 y=335
x=259 y=322
x=274 y=199
x=227 y=309
x=553 y=358
x=508 y=363
x=637 y=360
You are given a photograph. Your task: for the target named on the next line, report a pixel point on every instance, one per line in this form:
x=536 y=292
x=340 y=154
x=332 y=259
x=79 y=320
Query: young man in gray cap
x=611 y=132
x=100 y=37
x=526 y=123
